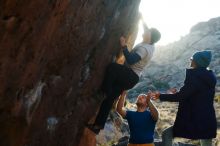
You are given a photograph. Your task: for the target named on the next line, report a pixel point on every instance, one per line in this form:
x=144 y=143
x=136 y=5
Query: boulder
x=53 y=56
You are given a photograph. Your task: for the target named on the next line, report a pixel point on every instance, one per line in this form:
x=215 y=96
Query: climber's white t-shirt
x=145 y=51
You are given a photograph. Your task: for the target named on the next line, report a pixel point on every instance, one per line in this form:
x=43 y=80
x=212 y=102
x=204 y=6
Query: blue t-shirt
x=141 y=126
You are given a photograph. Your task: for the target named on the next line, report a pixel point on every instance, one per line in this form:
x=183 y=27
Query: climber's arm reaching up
x=120 y=105
x=131 y=57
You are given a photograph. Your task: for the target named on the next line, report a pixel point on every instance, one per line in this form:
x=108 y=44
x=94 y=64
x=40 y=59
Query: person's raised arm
x=120 y=105
x=131 y=57
x=143 y=21
x=181 y=95
x=153 y=110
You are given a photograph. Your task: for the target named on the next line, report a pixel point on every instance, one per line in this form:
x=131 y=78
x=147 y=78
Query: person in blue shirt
x=196 y=117
x=141 y=122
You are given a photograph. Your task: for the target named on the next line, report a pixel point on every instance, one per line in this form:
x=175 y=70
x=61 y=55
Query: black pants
x=117 y=79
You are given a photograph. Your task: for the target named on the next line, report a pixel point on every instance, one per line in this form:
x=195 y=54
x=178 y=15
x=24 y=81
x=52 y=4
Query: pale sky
x=174 y=18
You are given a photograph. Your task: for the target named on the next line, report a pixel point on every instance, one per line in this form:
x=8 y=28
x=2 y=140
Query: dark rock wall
x=53 y=54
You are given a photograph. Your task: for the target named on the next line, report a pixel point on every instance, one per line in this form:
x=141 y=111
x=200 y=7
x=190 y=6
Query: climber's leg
x=104 y=110
x=117 y=74
x=117 y=79
x=109 y=79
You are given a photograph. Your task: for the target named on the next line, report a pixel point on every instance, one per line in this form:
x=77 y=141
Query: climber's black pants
x=118 y=78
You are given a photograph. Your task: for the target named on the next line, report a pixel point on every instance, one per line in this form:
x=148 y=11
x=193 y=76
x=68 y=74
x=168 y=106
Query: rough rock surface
x=52 y=58
x=88 y=138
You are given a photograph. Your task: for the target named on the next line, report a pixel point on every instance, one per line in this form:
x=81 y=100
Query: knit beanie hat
x=155 y=35
x=202 y=58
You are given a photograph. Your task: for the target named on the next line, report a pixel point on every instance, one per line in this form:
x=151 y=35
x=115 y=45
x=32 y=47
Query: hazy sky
x=174 y=18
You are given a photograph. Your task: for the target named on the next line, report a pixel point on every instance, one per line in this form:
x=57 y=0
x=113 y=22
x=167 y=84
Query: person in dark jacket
x=196 y=117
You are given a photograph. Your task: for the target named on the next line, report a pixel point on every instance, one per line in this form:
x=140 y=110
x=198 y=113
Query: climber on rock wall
x=141 y=122
x=121 y=77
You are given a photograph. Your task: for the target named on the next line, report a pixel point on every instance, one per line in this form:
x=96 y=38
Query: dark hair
x=155 y=35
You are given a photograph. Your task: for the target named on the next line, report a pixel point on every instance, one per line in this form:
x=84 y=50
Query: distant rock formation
x=52 y=58
x=168 y=65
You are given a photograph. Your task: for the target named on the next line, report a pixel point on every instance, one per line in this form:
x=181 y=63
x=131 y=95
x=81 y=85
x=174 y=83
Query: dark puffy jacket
x=196 y=117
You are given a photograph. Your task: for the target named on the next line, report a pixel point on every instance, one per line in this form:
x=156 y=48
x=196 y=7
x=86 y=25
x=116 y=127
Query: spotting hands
x=154 y=95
